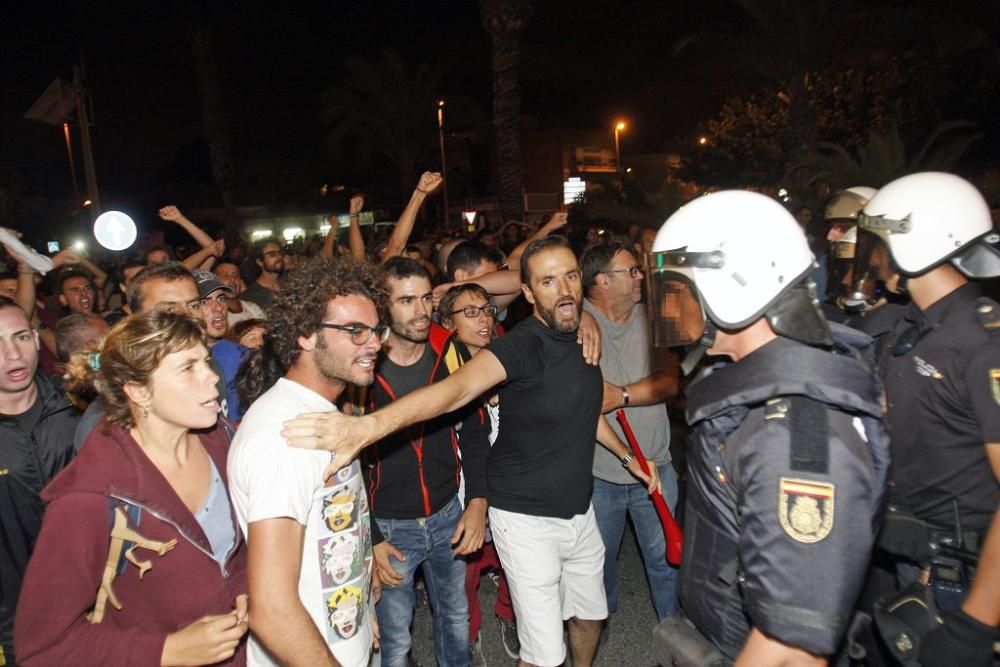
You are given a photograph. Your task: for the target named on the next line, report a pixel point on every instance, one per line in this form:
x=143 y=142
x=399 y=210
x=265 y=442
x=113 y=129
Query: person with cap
x=227 y=354
x=940 y=362
x=787 y=452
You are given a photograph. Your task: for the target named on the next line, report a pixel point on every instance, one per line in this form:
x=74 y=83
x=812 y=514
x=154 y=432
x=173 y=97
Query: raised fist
x=357 y=203
x=429 y=182
x=171 y=213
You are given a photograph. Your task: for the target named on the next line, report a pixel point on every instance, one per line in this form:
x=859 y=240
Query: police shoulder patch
x=805 y=508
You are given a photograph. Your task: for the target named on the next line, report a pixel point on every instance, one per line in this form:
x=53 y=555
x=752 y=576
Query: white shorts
x=555 y=569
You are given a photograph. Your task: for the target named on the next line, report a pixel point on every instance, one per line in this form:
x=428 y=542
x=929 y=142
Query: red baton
x=672 y=533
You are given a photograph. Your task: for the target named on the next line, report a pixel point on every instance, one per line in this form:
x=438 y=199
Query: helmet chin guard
x=797 y=315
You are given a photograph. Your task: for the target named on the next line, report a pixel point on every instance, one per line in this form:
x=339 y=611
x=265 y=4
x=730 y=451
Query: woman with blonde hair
x=140 y=560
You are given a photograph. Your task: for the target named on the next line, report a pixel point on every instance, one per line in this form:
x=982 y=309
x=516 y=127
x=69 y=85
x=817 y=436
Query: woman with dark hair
x=140 y=561
x=466 y=311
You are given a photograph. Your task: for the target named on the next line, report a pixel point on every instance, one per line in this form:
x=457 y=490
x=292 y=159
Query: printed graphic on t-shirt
x=343 y=551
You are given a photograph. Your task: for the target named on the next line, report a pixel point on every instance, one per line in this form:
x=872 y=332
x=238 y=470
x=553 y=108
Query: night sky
x=584 y=64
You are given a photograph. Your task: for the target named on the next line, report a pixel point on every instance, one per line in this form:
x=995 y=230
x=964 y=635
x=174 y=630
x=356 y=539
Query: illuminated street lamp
x=619 y=128
x=444 y=168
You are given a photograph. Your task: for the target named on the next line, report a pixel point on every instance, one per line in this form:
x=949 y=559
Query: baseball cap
x=208 y=283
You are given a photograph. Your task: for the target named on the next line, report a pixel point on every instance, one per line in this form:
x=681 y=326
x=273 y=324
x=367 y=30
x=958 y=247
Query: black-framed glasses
x=472 y=312
x=635 y=272
x=360 y=333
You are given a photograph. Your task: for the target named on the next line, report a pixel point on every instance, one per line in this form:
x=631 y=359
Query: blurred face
x=18 y=352
x=127 y=276
x=8 y=287
x=177 y=296
x=213 y=313
x=410 y=306
x=555 y=288
x=484 y=267
x=253 y=338
x=229 y=275
x=622 y=285
x=272 y=259
x=336 y=356
x=476 y=331
x=157 y=257
x=77 y=295
x=182 y=389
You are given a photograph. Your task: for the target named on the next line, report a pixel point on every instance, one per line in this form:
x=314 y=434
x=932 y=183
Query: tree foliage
x=382 y=112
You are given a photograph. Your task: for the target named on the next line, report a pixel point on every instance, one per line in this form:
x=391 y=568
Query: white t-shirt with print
x=269 y=479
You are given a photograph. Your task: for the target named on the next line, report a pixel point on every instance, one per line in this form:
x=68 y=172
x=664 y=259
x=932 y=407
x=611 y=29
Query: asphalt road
x=629 y=639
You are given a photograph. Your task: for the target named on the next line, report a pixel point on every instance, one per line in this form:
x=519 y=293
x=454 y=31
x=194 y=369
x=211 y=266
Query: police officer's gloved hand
x=962 y=640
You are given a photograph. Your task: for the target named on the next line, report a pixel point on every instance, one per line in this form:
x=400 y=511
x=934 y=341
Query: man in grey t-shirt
x=613 y=285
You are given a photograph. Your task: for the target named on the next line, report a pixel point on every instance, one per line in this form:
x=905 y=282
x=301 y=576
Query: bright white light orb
x=114 y=230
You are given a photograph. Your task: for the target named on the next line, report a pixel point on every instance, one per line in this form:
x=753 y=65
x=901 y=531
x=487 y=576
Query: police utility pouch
x=677 y=643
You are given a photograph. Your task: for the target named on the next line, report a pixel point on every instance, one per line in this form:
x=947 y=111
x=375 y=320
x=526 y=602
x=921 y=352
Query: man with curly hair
x=326 y=335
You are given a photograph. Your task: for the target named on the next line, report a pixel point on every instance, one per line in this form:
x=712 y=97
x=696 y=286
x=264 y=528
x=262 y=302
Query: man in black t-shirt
x=539 y=471
x=36 y=442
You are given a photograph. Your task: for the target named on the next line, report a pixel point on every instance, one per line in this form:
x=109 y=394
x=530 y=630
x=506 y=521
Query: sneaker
x=476 y=657
x=508 y=633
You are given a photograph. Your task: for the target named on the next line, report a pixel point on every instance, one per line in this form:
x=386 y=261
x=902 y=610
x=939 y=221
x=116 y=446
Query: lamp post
x=619 y=128
x=444 y=167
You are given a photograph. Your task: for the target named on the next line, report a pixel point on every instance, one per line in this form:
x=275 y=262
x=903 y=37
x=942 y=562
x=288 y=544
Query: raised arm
x=429 y=182
x=205 y=258
x=173 y=214
x=347 y=436
x=557 y=221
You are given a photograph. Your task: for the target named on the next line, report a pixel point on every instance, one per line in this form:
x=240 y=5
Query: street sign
x=114 y=230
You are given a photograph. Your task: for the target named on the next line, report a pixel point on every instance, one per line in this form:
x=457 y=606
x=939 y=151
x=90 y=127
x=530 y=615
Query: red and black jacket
x=415 y=472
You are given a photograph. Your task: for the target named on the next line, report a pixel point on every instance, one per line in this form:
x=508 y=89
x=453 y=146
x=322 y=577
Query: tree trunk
x=504 y=20
x=214 y=118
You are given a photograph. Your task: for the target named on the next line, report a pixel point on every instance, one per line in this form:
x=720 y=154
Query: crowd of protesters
x=154 y=511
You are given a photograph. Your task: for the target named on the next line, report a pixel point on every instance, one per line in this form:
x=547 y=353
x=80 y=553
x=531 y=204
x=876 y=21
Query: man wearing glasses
x=309 y=533
x=269 y=258
x=637 y=383
x=413 y=478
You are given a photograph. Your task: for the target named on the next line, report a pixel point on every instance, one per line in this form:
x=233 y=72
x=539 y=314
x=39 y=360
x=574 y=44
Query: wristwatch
x=626 y=460
x=626 y=399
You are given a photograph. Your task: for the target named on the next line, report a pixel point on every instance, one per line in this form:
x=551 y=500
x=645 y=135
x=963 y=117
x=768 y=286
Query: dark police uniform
x=787 y=467
x=942 y=379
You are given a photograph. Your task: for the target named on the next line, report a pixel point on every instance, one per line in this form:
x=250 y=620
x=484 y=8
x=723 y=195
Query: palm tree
x=383 y=110
x=884 y=158
x=214 y=116
x=504 y=20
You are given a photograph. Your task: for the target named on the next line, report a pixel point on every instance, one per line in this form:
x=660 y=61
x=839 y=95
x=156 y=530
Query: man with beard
x=36 y=442
x=326 y=334
x=270 y=259
x=539 y=473
x=413 y=478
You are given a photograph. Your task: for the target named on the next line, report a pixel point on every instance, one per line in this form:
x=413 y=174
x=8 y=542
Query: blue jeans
x=612 y=503
x=426 y=543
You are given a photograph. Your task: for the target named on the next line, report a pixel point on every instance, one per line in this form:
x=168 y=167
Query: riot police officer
x=788 y=455
x=941 y=367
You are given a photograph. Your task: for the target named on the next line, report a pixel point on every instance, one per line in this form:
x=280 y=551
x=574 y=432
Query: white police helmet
x=736 y=255
x=931 y=217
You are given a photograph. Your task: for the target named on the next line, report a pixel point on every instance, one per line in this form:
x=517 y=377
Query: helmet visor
x=869 y=273
x=676 y=316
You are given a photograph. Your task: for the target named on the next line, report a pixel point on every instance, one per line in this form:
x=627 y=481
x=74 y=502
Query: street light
x=444 y=168
x=619 y=128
